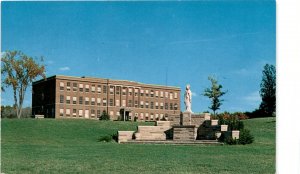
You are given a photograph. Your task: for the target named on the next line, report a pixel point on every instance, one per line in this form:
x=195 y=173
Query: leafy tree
x=268 y=90
x=18 y=71
x=214 y=93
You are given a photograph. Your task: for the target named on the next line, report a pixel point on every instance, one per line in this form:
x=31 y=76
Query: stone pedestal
x=186 y=118
x=184 y=133
x=235 y=134
x=214 y=122
x=224 y=128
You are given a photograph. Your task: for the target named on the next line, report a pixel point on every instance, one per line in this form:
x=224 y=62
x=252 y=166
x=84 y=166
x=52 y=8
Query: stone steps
x=171 y=142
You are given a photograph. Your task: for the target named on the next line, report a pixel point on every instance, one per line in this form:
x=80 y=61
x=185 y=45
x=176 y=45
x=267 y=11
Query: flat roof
x=97 y=79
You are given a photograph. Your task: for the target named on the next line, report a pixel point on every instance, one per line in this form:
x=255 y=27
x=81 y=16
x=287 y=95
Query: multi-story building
x=85 y=97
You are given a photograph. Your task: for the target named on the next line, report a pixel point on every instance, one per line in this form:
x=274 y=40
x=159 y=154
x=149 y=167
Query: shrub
x=229 y=140
x=106 y=138
x=235 y=124
x=245 y=137
x=104 y=116
x=240 y=115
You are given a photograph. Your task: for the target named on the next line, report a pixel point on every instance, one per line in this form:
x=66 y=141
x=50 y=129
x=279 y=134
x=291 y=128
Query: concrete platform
x=171 y=142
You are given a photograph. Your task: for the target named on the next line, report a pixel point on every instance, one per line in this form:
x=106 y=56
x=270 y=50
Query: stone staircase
x=187 y=129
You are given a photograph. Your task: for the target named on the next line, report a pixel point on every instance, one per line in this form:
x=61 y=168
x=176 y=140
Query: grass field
x=71 y=146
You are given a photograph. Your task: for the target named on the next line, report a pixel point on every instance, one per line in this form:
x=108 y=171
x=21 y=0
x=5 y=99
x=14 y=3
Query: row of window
x=93 y=101
x=86 y=113
x=117 y=90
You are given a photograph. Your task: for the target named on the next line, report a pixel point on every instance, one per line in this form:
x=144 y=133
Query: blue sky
x=171 y=43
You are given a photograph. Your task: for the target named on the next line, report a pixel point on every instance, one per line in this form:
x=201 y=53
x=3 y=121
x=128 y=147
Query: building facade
x=85 y=97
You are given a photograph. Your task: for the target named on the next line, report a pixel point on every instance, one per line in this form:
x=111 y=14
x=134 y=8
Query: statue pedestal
x=186 y=118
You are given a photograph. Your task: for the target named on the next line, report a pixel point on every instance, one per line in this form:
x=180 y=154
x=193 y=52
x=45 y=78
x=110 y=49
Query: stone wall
x=184 y=133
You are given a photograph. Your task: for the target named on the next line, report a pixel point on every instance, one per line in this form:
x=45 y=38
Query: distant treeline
x=10 y=112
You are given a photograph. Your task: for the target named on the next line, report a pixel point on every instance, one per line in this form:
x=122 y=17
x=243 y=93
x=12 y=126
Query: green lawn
x=71 y=146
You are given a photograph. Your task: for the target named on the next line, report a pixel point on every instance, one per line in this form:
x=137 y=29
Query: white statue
x=188 y=99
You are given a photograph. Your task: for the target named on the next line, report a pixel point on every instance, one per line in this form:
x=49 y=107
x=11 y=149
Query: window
x=151 y=105
x=111 y=102
x=104 y=101
x=166 y=106
x=118 y=90
x=68 y=99
x=92 y=101
x=151 y=116
x=161 y=116
x=156 y=93
x=156 y=105
x=130 y=91
x=87 y=88
x=142 y=116
x=147 y=104
x=61 y=112
x=161 y=105
x=81 y=100
x=74 y=100
x=142 y=93
x=136 y=103
x=152 y=93
x=74 y=112
x=156 y=116
x=166 y=94
x=171 y=95
x=124 y=103
x=68 y=112
x=98 y=113
x=147 y=93
x=86 y=114
x=61 y=99
x=118 y=113
x=111 y=113
x=74 y=87
x=111 y=90
x=93 y=88
x=175 y=106
x=117 y=102
x=161 y=94
x=147 y=116
x=81 y=87
x=80 y=112
x=129 y=103
x=68 y=86
x=171 y=106
x=104 y=89
x=87 y=101
x=175 y=95
x=99 y=89
x=142 y=104
x=98 y=101
x=93 y=113
x=124 y=91
x=61 y=86
x=136 y=92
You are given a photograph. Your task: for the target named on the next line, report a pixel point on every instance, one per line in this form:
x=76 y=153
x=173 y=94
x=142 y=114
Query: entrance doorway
x=125 y=114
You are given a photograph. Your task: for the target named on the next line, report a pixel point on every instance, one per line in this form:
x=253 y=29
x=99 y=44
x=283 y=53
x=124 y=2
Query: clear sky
x=173 y=43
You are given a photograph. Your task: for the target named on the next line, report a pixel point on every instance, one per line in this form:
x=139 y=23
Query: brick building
x=85 y=97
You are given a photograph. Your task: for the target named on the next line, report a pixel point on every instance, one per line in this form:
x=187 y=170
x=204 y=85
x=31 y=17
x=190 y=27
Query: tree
x=214 y=93
x=18 y=71
x=268 y=90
